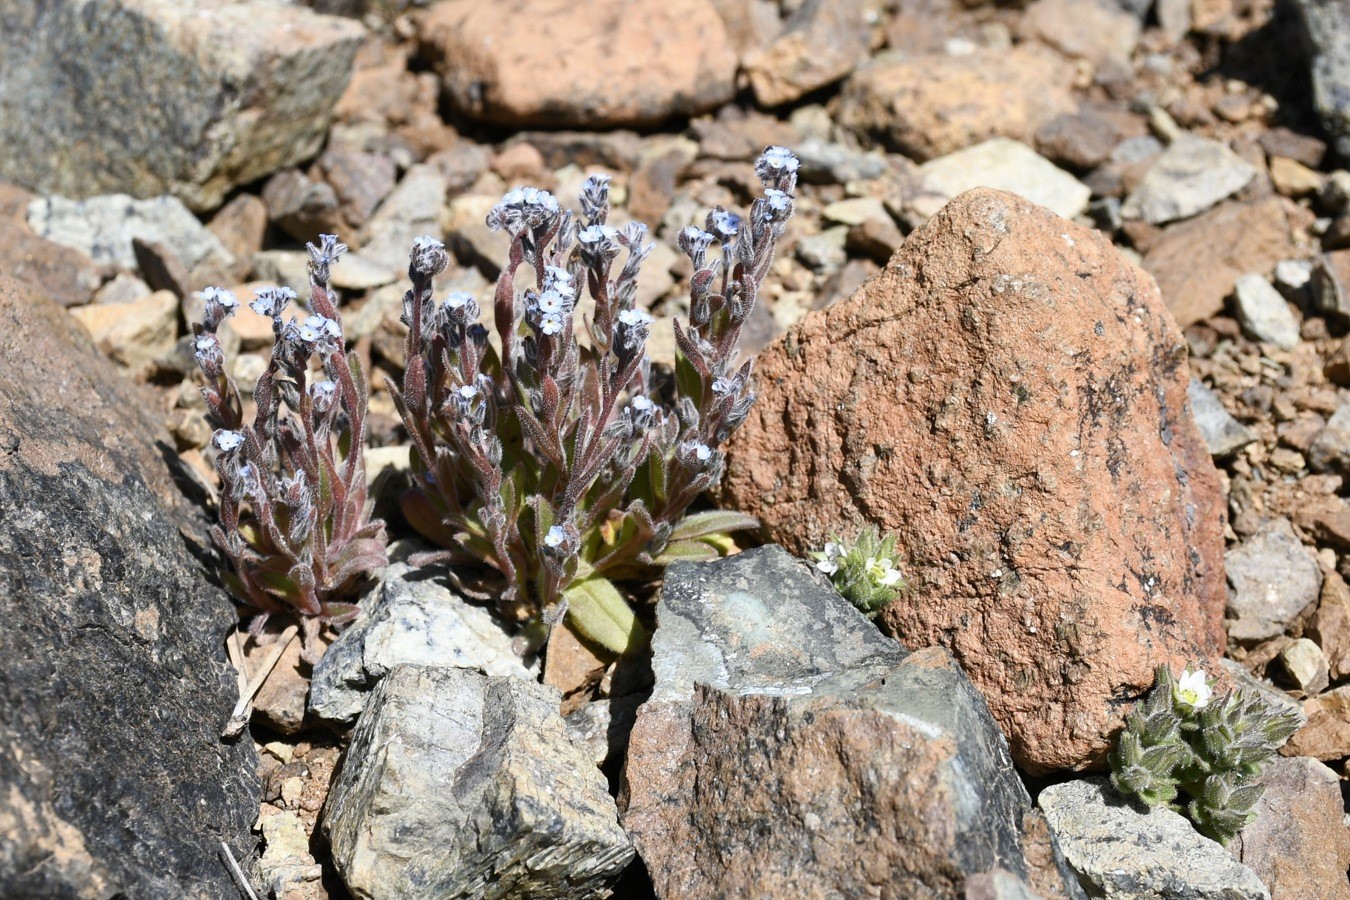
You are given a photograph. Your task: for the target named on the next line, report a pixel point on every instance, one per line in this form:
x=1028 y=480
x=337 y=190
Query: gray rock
x=1223 y=434
x=285 y=268
x=411 y=618
x=824 y=251
x=1122 y=852
x=826 y=162
x=1263 y=312
x=103 y=228
x=302 y=208
x=145 y=97
x=1330 y=450
x=1009 y=166
x=786 y=739
x=1272 y=578
x=458 y=784
x=1189 y=177
x=601 y=727
x=1293 y=279
x=1305 y=663
x=410 y=211
x=123 y=288
x=1326 y=29
x=114 y=778
x=1271 y=694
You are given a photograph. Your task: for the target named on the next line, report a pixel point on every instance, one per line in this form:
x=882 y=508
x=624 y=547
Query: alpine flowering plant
x=553 y=463
x=1198 y=753
x=865 y=571
x=294 y=517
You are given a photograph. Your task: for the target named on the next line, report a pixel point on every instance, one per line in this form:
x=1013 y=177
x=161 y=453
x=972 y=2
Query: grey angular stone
x=412 y=210
x=824 y=252
x=1263 y=312
x=787 y=739
x=458 y=784
x=1330 y=450
x=114 y=780
x=147 y=97
x=826 y=162
x=1272 y=578
x=1223 y=434
x=103 y=228
x=285 y=268
x=1306 y=665
x=1189 y=177
x=1123 y=853
x=410 y=619
x=1326 y=28
x=1009 y=166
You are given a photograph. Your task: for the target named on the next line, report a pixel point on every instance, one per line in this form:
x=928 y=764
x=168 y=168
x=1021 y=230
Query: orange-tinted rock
x=593 y=64
x=929 y=105
x=1009 y=397
x=1298 y=845
x=1197 y=262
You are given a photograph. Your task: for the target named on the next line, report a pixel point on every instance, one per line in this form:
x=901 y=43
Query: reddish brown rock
x=934 y=104
x=593 y=64
x=1298 y=845
x=1009 y=397
x=64 y=274
x=1326 y=735
x=1197 y=262
x=824 y=41
x=1330 y=625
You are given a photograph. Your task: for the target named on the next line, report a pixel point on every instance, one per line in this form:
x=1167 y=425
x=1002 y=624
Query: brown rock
x=1281 y=141
x=1197 y=262
x=1326 y=736
x=824 y=41
x=931 y=105
x=301 y=207
x=62 y=273
x=1008 y=396
x=1331 y=283
x=162 y=268
x=240 y=225
x=280 y=702
x=654 y=181
x=594 y=64
x=1084 y=140
x=135 y=334
x=1298 y=845
x=360 y=180
x=1098 y=31
x=1330 y=625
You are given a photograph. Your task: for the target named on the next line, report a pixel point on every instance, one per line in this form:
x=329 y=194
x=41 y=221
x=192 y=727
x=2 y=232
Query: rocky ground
x=1201 y=139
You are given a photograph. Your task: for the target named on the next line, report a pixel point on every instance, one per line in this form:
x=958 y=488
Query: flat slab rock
x=789 y=749
x=238 y=90
x=113 y=778
x=457 y=784
x=1008 y=396
x=1124 y=853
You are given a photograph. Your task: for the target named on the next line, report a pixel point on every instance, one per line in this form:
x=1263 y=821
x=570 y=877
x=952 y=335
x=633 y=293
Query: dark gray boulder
x=113 y=779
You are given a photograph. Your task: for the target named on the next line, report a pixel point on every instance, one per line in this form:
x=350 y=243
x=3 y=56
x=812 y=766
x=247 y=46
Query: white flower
x=641 y=403
x=635 y=318
x=227 y=441
x=323 y=390
x=550 y=302
x=780 y=158
x=556 y=279
x=468 y=392
x=828 y=566
x=702 y=452
x=1192 y=690
x=555 y=537
x=227 y=301
x=458 y=299
x=551 y=323
x=779 y=201
x=882 y=571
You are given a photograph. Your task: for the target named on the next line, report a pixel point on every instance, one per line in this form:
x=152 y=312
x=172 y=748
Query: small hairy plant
x=866 y=572
x=294 y=517
x=1197 y=754
x=553 y=461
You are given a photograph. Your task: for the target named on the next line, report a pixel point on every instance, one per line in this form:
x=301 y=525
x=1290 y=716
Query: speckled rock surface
x=457 y=784
x=237 y=90
x=791 y=750
x=113 y=778
x=1060 y=512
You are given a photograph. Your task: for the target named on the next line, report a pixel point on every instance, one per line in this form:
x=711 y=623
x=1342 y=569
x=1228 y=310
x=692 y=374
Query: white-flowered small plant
x=552 y=466
x=1199 y=754
x=294 y=517
x=866 y=571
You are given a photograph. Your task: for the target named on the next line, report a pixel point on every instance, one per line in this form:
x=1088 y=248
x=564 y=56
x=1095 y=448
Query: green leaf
x=703 y=524
x=597 y=610
x=688 y=551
